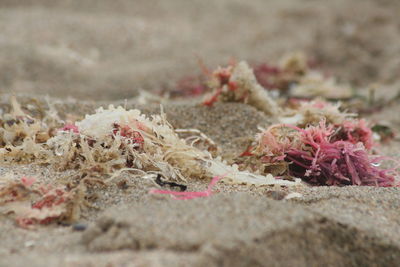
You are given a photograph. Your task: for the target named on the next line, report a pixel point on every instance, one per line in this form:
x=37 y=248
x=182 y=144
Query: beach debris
x=79 y=227
x=189 y=195
x=294 y=77
x=313 y=112
x=282 y=76
x=115 y=139
x=303 y=113
x=325 y=155
x=31 y=202
x=269 y=77
x=237 y=83
x=17 y=127
x=189 y=86
x=315 y=84
x=22 y=136
x=293 y=195
x=171 y=184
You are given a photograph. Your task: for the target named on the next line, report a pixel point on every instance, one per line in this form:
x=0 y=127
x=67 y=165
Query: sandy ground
x=84 y=54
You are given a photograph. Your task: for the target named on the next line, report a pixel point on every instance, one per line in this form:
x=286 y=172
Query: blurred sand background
x=96 y=49
x=88 y=53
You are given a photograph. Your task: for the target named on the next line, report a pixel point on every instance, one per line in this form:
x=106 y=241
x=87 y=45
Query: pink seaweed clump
x=326 y=160
x=358 y=131
x=267 y=75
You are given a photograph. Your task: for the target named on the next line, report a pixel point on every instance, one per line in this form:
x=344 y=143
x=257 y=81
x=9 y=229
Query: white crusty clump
x=101 y=123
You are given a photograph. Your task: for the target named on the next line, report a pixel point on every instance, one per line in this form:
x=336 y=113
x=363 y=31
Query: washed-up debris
x=171 y=184
x=152 y=145
x=315 y=84
x=237 y=83
x=113 y=139
x=79 y=226
x=31 y=202
x=294 y=76
x=283 y=76
x=303 y=113
x=324 y=155
x=22 y=136
x=189 y=86
x=189 y=195
x=313 y=112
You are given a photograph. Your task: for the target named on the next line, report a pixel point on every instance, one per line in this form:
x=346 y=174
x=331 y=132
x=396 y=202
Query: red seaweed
x=133 y=136
x=324 y=160
x=358 y=131
x=329 y=155
x=266 y=75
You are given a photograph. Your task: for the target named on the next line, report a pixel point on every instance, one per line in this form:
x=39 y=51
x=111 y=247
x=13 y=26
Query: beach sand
x=97 y=53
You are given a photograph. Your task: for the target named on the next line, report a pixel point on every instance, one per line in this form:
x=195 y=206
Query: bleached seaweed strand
x=234 y=176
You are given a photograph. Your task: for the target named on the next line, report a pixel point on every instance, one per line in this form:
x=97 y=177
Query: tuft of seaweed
x=305 y=82
x=147 y=145
x=237 y=83
x=283 y=76
x=33 y=203
x=303 y=113
x=22 y=137
x=115 y=139
x=323 y=155
x=347 y=126
x=189 y=86
x=314 y=83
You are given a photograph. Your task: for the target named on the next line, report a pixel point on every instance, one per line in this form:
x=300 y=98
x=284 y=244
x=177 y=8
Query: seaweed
x=323 y=155
x=32 y=202
x=237 y=83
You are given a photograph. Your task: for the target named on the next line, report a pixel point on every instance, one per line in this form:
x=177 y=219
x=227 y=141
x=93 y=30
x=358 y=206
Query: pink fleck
x=28 y=181
x=70 y=127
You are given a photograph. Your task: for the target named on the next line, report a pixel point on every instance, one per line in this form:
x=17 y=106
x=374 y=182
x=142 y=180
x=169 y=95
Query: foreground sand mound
x=219 y=231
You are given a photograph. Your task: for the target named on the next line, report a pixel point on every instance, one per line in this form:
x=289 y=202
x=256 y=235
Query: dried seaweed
x=237 y=83
x=33 y=203
x=117 y=139
x=303 y=113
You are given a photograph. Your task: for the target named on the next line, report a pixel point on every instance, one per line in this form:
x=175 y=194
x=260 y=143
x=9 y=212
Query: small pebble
x=79 y=227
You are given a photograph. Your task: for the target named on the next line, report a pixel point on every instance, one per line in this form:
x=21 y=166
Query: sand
x=97 y=53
